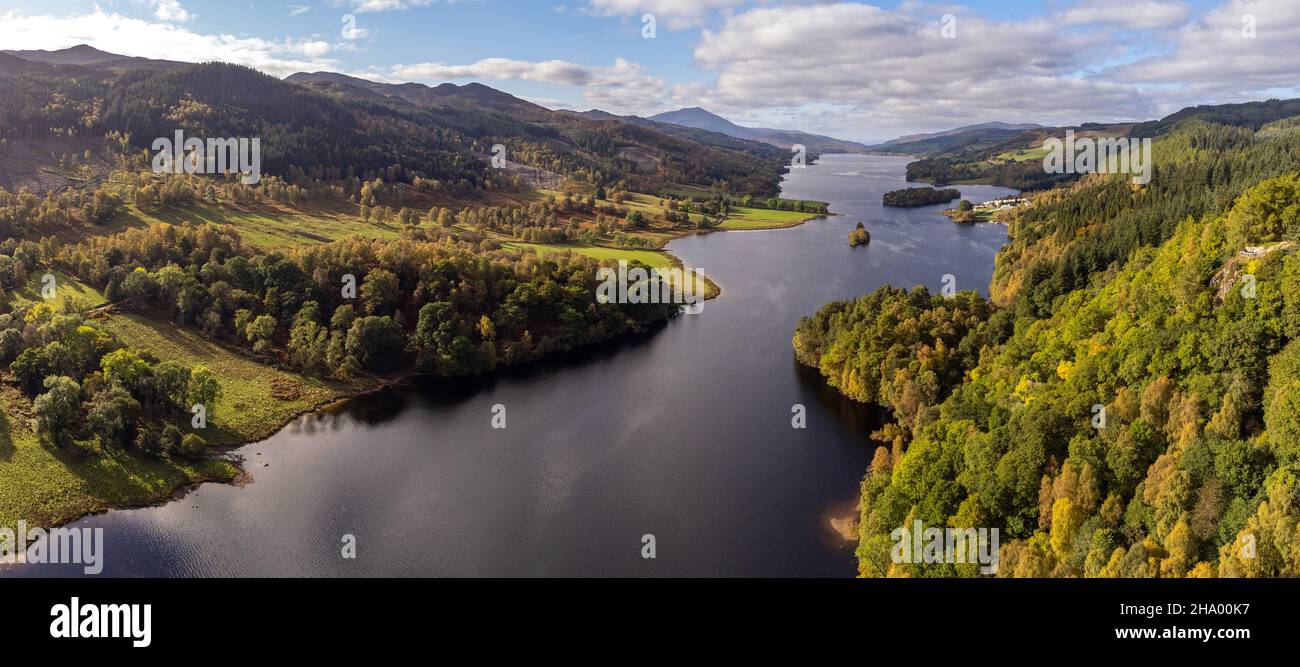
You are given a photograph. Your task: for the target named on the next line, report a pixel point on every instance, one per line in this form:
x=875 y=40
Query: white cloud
x=624 y=87
x=839 y=68
x=1213 y=57
x=1132 y=14
x=859 y=71
x=361 y=6
x=895 y=69
x=314 y=48
x=676 y=14
x=135 y=37
x=168 y=10
x=552 y=103
x=500 y=69
x=854 y=69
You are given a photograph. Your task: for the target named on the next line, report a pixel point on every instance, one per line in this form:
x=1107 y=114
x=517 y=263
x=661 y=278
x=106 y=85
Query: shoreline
x=242 y=475
x=227 y=452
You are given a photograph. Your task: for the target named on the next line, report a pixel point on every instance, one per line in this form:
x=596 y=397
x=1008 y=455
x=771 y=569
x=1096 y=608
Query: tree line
x=1139 y=423
x=431 y=303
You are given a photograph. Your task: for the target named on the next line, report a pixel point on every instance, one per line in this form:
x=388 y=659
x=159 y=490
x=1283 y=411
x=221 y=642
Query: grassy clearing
x=634 y=201
x=267 y=227
x=66 y=288
x=45 y=486
x=1023 y=155
x=762 y=218
x=740 y=218
x=256 y=399
x=651 y=258
x=977 y=215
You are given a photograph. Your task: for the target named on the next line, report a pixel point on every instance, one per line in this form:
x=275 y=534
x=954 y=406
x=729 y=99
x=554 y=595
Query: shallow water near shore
x=683 y=434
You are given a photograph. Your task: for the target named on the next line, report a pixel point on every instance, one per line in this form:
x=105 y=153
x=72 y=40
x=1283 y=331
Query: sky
x=866 y=71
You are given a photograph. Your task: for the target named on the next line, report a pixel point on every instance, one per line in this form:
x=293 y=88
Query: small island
x=913 y=197
x=859 y=236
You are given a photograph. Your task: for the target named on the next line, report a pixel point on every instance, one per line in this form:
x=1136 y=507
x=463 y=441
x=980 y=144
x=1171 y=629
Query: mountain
x=630 y=146
x=965 y=129
x=706 y=137
x=91 y=58
x=996 y=155
x=597 y=114
x=11 y=65
x=970 y=137
x=471 y=95
x=1252 y=115
x=704 y=120
x=332 y=126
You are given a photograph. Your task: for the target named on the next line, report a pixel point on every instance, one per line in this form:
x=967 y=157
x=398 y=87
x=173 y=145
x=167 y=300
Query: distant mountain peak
x=86 y=55
x=86 y=48
x=703 y=119
x=81 y=54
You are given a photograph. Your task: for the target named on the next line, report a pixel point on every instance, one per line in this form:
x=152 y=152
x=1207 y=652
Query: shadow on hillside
x=7 y=447
x=217 y=435
x=175 y=216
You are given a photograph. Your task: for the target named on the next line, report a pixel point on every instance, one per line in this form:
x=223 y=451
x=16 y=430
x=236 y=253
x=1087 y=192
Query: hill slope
x=91 y=58
x=701 y=119
x=331 y=126
x=931 y=138
x=1131 y=409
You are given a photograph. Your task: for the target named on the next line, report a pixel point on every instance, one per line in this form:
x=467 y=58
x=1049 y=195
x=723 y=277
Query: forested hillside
x=1012 y=160
x=1072 y=234
x=1127 y=405
x=380 y=241
x=340 y=130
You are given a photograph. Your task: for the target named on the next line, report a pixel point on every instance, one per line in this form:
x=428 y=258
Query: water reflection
x=683 y=432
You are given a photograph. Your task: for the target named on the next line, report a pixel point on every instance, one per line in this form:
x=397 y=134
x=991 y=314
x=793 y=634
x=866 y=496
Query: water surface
x=683 y=434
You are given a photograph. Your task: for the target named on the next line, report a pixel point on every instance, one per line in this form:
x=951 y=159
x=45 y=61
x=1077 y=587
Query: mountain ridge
x=331 y=126
x=91 y=58
x=994 y=125
x=421 y=94
x=703 y=119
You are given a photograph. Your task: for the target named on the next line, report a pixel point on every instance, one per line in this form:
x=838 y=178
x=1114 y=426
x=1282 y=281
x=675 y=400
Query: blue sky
x=860 y=70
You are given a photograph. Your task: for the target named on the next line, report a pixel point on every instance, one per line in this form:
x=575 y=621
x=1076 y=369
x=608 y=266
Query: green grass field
x=741 y=218
x=256 y=399
x=65 y=288
x=649 y=204
x=44 y=486
x=762 y=218
x=1024 y=155
x=978 y=215
x=635 y=201
x=267 y=228
x=651 y=258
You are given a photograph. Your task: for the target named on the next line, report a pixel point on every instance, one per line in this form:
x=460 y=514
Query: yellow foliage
x=1066 y=518
x=1024 y=390
x=39 y=313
